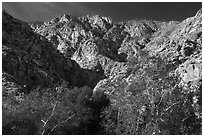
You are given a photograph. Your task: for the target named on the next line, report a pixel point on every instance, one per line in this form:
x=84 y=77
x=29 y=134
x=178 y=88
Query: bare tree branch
x=61 y=122
x=45 y=122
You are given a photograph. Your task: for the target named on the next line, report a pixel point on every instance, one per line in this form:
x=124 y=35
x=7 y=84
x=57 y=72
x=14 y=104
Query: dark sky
x=118 y=11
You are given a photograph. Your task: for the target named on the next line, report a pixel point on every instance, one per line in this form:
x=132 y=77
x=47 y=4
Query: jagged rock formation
x=32 y=61
x=179 y=43
x=92 y=40
x=131 y=62
x=182 y=46
x=73 y=35
x=29 y=57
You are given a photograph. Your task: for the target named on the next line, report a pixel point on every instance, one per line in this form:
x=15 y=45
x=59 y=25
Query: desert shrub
x=162 y=107
x=58 y=110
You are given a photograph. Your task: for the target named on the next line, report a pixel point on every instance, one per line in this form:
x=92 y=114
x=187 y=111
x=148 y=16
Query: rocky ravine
x=126 y=61
x=32 y=61
x=94 y=39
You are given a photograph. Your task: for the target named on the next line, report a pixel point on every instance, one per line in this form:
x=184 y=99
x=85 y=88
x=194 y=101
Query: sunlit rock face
x=92 y=40
x=149 y=71
x=33 y=61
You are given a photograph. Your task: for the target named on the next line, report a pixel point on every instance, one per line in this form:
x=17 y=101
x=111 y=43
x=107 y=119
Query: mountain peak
x=199 y=13
x=70 y=75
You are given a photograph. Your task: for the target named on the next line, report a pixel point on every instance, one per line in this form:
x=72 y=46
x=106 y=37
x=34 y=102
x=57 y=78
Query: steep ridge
x=93 y=40
x=150 y=71
x=178 y=44
x=182 y=45
x=117 y=45
x=33 y=61
x=28 y=57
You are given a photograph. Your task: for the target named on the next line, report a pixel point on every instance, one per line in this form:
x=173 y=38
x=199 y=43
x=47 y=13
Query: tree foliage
x=153 y=102
x=58 y=110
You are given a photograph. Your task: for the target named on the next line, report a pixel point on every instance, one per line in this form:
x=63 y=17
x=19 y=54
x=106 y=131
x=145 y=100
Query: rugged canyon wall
x=151 y=69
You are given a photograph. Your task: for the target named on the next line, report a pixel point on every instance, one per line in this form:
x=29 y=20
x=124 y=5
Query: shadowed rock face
x=134 y=61
x=73 y=35
x=91 y=41
x=33 y=61
x=29 y=57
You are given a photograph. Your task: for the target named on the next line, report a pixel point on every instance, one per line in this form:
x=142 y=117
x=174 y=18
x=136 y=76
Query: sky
x=118 y=11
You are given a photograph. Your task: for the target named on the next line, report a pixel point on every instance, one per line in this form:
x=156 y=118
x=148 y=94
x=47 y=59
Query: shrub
x=162 y=107
x=57 y=110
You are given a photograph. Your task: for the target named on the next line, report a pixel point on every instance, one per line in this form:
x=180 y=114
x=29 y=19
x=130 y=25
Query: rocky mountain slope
x=32 y=60
x=92 y=40
x=150 y=71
